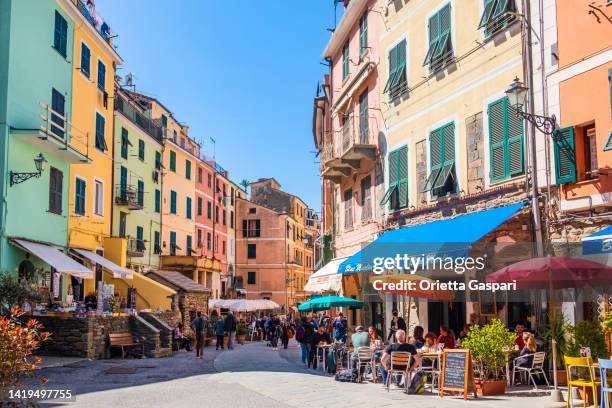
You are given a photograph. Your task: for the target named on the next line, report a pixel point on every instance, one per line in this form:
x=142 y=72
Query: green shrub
x=487 y=345
x=585 y=334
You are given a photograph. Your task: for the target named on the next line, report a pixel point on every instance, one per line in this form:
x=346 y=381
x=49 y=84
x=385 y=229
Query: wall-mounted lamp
x=39 y=162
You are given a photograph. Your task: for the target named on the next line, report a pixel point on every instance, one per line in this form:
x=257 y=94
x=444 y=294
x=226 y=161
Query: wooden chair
x=605 y=368
x=400 y=363
x=580 y=373
x=536 y=367
x=364 y=359
x=125 y=341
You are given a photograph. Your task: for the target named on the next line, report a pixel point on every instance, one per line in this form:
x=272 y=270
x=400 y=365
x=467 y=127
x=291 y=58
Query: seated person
x=519 y=343
x=359 y=339
x=525 y=358
x=429 y=347
x=446 y=339
x=319 y=337
x=401 y=345
x=417 y=337
x=180 y=338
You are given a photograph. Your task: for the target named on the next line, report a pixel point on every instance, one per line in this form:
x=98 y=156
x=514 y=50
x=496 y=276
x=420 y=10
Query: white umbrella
x=220 y=303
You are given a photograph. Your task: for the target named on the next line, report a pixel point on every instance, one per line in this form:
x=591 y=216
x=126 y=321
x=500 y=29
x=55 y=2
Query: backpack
x=300 y=336
x=417 y=384
x=331 y=362
x=348 y=375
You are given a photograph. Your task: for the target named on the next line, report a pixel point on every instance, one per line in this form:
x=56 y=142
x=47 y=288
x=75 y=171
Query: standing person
x=230 y=328
x=397 y=323
x=219 y=332
x=198 y=325
x=286 y=333
x=273 y=332
x=301 y=338
x=340 y=326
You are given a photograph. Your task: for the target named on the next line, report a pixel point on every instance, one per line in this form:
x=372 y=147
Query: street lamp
x=20 y=177
x=517 y=97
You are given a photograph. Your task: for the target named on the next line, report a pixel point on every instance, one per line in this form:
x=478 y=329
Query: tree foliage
x=488 y=345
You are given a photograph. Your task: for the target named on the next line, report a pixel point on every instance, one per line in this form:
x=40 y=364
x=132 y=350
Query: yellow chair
x=580 y=373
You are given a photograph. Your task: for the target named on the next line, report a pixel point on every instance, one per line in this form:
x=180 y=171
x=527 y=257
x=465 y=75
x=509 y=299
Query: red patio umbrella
x=551 y=273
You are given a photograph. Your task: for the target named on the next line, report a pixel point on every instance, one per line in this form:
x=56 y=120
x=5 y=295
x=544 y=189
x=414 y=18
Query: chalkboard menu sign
x=457 y=372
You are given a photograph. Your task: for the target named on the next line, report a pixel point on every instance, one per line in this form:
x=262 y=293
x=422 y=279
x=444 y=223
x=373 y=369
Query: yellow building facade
x=90 y=184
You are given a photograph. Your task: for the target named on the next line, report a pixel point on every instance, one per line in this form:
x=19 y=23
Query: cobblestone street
x=252 y=375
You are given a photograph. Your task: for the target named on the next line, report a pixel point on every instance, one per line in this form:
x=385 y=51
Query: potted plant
x=241 y=332
x=555 y=330
x=585 y=336
x=489 y=345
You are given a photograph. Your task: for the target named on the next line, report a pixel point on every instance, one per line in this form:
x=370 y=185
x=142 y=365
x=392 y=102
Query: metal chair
x=400 y=363
x=364 y=359
x=536 y=367
x=580 y=373
x=605 y=368
x=434 y=370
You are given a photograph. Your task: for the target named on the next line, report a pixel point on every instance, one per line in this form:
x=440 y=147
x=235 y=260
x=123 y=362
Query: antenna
x=214 y=142
x=129 y=81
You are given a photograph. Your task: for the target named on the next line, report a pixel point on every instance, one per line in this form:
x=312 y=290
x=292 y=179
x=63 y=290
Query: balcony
x=129 y=196
x=146 y=124
x=354 y=146
x=135 y=248
x=95 y=20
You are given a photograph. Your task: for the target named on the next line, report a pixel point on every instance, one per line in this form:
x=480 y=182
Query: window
x=364 y=127
x=231 y=219
x=156 y=245
x=173 y=243
x=565 y=155
x=122 y=224
x=495 y=15
x=188 y=169
x=157 y=201
x=505 y=141
x=252 y=210
x=125 y=142
x=251 y=228
x=440 y=51
x=232 y=195
x=199 y=206
x=60 y=34
x=98 y=197
x=216 y=214
x=223 y=248
x=123 y=183
x=100 y=139
x=348 y=209
x=56 y=179
x=397 y=193
x=200 y=178
x=209 y=181
x=79 y=196
x=158 y=161
x=174 y=135
x=366 y=198
x=140 y=193
x=208 y=240
x=188 y=245
x=224 y=217
x=209 y=210
x=251 y=278
x=173 y=161
x=85 y=60
x=575 y=154
x=441 y=180
x=140 y=239
x=101 y=76
x=363 y=33
x=58 y=107
x=164 y=121
x=172 y=202
x=141 y=149
x=251 y=251
x=397 y=83
x=200 y=243
x=589 y=151
x=188 y=208
x=345 y=61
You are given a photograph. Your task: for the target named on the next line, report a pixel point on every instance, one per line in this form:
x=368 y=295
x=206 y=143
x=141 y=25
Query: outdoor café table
x=510 y=354
x=323 y=347
x=435 y=362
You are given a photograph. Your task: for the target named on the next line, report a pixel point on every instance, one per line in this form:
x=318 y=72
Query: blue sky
x=242 y=72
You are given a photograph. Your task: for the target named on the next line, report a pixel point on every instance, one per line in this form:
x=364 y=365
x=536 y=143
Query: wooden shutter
x=392 y=69
x=402 y=182
x=173 y=202
x=56 y=178
x=486 y=14
x=448 y=145
x=101 y=75
x=157 y=201
x=244 y=228
x=366 y=198
x=363 y=117
x=497 y=141
x=100 y=140
x=565 y=155
x=172 y=161
x=140 y=193
x=514 y=128
x=188 y=207
x=393 y=177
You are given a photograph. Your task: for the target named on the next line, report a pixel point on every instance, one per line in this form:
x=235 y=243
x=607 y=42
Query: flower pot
x=561 y=377
x=490 y=387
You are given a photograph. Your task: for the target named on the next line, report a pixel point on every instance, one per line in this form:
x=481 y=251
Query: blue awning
x=450 y=237
x=598 y=243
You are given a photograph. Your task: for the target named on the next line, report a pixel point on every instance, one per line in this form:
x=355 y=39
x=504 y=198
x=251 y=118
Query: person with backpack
x=230 y=329
x=340 y=326
x=198 y=326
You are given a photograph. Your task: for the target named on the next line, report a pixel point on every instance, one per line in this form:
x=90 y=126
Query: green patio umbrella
x=327 y=302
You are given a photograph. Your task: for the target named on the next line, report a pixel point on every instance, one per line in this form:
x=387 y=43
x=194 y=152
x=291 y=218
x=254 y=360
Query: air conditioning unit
x=155 y=176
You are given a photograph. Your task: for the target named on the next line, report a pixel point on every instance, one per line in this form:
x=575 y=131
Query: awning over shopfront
x=450 y=237
x=117 y=271
x=598 y=246
x=54 y=257
x=326 y=278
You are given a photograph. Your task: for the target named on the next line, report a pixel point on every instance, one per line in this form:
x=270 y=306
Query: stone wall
x=165 y=330
x=421 y=162
x=146 y=333
x=190 y=303
x=475 y=151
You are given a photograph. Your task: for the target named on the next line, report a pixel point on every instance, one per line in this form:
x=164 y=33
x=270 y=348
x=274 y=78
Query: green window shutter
x=173 y=202
x=434 y=36
x=514 y=129
x=363 y=33
x=393 y=178
x=402 y=173
x=497 y=140
x=187 y=169
x=124 y=143
x=101 y=75
x=440 y=46
x=487 y=13
x=565 y=155
x=156 y=242
x=392 y=69
x=85 y=60
x=363 y=117
x=188 y=208
x=345 y=61
x=172 y=161
x=608 y=145
x=188 y=245
x=208 y=210
x=199 y=205
x=100 y=139
x=141 y=149
x=158 y=160
x=172 y=240
x=157 y=201
x=610 y=82
x=60 y=34
x=244 y=228
x=79 y=201
x=123 y=182
x=140 y=193
x=58 y=105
